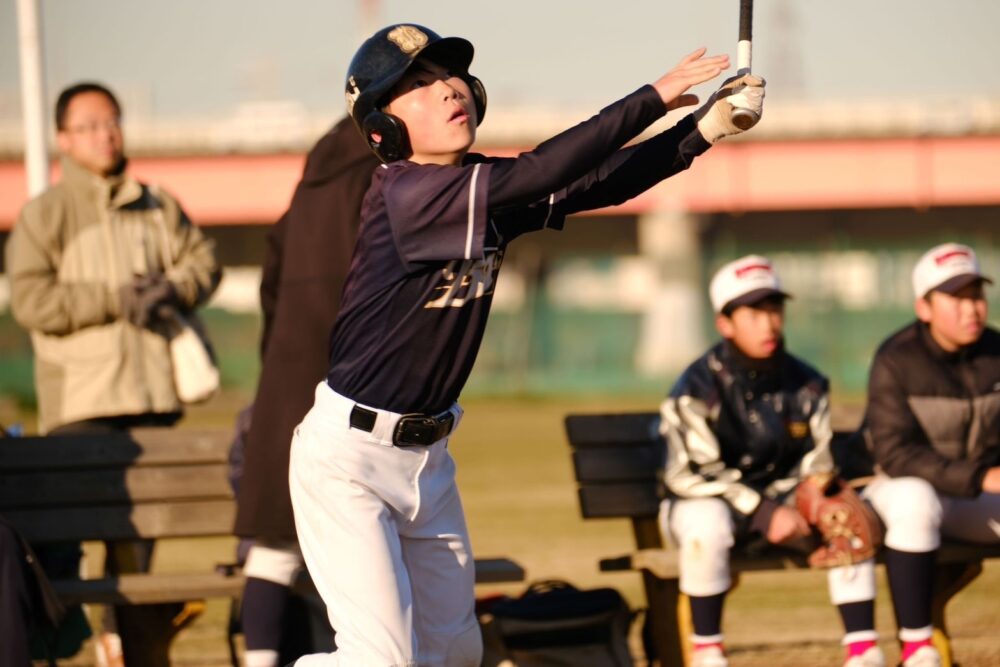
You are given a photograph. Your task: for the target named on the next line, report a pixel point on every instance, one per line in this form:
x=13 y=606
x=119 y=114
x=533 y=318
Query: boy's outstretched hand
x=694 y=68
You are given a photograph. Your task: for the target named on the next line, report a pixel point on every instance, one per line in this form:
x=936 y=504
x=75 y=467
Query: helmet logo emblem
x=408 y=38
x=352 y=93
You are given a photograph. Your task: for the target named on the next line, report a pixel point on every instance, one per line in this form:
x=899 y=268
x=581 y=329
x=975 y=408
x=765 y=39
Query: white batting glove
x=715 y=116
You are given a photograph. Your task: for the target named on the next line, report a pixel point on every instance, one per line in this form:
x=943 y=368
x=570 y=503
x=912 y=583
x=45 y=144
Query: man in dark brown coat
x=308 y=255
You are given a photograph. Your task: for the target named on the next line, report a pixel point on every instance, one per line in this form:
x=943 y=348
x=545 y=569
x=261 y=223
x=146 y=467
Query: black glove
x=128 y=302
x=148 y=298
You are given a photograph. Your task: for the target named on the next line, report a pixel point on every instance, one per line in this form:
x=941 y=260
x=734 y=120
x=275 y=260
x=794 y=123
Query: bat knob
x=744 y=118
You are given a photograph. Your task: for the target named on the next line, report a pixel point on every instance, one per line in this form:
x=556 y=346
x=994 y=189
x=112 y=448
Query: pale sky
x=205 y=57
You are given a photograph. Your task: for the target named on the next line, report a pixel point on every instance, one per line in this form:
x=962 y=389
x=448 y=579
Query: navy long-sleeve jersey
x=432 y=239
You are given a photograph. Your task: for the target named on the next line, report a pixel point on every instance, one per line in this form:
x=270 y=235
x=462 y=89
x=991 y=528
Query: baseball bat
x=744 y=118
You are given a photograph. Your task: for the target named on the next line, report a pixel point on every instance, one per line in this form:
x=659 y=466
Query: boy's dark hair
x=774 y=299
x=981 y=282
x=67 y=95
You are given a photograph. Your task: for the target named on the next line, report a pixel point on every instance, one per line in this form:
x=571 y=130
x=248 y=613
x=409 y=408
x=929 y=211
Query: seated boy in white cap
x=933 y=426
x=745 y=424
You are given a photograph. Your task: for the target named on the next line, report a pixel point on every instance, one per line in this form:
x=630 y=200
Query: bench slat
x=613 y=430
x=608 y=465
x=178 y=519
x=149 y=588
x=95 y=487
x=962 y=552
x=663 y=562
x=139 y=447
x=497 y=570
x=606 y=501
x=160 y=588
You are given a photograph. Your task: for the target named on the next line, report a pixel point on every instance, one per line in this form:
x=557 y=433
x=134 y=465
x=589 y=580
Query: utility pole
x=36 y=156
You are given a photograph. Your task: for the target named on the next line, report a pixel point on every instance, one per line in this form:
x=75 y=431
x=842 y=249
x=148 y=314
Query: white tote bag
x=196 y=377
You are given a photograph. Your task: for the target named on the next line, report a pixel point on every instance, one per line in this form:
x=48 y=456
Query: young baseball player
x=372 y=482
x=745 y=425
x=933 y=425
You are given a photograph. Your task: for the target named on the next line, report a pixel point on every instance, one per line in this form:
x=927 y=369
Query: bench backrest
x=149 y=483
x=617 y=459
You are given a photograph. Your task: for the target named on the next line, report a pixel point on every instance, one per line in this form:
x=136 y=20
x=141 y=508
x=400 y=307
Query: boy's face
x=92 y=135
x=755 y=329
x=438 y=110
x=955 y=320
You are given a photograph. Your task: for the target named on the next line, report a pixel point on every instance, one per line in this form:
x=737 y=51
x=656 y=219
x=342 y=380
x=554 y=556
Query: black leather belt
x=412 y=430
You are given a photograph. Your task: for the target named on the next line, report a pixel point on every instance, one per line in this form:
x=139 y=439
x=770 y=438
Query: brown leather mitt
x=848 y=528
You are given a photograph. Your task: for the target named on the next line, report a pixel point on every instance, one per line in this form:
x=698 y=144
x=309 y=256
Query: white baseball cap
x=946 y=268
x=744 y=281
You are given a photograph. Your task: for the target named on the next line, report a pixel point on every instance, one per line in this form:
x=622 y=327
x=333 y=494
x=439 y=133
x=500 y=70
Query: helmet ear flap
x=394 y=144
x=478 y=94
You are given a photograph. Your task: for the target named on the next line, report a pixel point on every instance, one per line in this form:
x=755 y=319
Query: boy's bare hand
x=991 y=482
x=786 y=525
x=694 y=68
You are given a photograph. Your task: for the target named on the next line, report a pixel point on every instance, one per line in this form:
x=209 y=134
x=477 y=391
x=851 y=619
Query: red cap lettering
x=945 y=256
x=740 y=272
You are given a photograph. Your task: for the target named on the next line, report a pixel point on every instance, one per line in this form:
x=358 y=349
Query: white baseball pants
x=916 y=516
x=384 y=536
x=704 y=532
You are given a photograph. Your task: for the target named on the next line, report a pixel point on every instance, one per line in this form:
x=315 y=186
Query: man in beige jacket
x=98 y=264
x=86 y=263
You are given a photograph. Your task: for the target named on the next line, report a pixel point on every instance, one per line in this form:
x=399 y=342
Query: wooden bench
x=616 y=461
x=146 y=484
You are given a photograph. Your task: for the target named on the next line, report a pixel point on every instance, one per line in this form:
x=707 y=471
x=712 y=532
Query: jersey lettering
x=465 y=280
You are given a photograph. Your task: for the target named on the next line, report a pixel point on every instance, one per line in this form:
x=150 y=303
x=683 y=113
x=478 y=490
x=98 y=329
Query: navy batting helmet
x=381 y=62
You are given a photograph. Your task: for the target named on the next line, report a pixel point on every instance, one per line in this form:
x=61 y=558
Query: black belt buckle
x=416 y=430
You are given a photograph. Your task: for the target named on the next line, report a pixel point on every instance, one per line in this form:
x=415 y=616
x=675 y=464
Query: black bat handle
x=746 y=20
x=744 y=118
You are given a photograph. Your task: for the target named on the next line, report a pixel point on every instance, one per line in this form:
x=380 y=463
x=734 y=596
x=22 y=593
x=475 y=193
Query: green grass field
x=517 y=485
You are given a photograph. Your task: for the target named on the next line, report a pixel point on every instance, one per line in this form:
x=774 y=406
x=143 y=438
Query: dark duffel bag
x=555 y=624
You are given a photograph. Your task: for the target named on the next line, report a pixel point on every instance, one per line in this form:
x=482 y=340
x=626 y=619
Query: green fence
x=849 y=272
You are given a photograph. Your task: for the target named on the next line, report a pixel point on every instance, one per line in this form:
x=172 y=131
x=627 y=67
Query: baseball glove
x=848 y=528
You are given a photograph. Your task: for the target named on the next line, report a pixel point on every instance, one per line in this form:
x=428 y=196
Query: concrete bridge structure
x=792 y=174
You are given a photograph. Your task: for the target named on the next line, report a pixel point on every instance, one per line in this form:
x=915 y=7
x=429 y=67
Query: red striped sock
x=909 y=648
x=858 y=648
x=699 y=647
